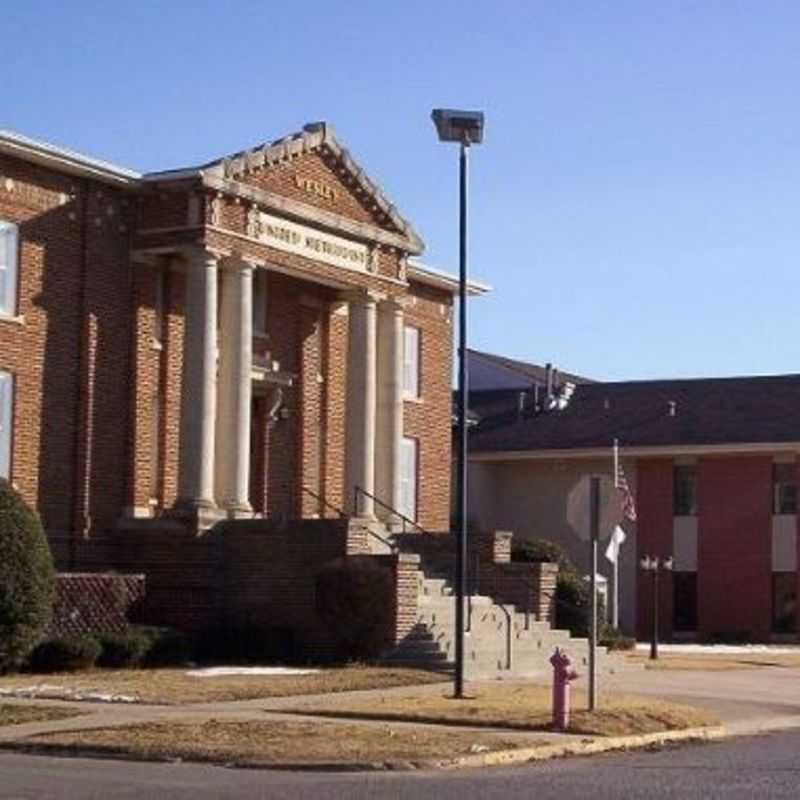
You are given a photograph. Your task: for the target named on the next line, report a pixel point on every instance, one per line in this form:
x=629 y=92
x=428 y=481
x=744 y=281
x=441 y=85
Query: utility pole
x=594 y=511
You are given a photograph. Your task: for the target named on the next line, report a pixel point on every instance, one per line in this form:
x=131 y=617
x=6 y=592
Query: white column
x=361 y=400
x=389 y=433
x=235 y=389
x=198 y=394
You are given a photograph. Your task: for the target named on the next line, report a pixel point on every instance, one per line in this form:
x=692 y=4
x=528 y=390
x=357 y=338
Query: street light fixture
x=465 y=128
x=654 y=565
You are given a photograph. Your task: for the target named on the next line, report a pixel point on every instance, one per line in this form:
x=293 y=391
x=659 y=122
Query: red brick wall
x=429 y=420
x=69 y=456
x=654 y=538
x=88 y=375
x=280 y=178
x=734 y=546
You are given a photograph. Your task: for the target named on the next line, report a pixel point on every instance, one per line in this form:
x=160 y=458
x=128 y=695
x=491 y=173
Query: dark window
x=684 y=501
x=784 y=489
x=684 y=602
x=784 y=602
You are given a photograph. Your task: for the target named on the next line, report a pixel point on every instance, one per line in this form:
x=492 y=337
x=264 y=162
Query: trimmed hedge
x=167 y=647
x=573 y=594
x=26 y=579
x=355 y=602
x=65 y=654
x=121 y=650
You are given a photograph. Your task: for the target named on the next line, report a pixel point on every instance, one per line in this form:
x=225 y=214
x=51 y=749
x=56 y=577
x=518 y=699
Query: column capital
x=203 y=255
x=362 y=297
x=398 y=304
x=237 y=264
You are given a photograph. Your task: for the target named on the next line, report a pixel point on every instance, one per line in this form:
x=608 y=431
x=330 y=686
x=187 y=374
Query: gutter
x=422 y=273
x=63 y=160
x=665 y=451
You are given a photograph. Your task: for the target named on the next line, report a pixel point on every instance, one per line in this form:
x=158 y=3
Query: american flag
x=628 y=504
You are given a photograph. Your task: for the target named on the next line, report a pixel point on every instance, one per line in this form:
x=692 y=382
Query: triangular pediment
x=313 y=167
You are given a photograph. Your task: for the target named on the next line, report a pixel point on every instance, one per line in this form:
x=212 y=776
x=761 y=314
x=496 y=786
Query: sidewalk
x=747 y=701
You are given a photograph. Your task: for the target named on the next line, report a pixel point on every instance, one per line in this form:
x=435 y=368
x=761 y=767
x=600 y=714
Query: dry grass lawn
x=174 y=686
x=18 y=714
x=716 y=663
x=520 y=706
x=266 y=742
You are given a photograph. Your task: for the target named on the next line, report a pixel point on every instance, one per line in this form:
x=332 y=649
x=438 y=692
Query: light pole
x=465 y=128
x=654 y=565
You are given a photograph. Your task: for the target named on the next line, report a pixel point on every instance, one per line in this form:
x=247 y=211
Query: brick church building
x=249 y=337
x=247 y=344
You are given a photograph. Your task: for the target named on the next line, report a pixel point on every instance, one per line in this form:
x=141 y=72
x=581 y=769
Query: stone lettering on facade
x=317 y=188
x=301 y=240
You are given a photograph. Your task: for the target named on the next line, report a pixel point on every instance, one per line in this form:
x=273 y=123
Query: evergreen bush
x=26 y=579
x=65 y=654
x=355 y=601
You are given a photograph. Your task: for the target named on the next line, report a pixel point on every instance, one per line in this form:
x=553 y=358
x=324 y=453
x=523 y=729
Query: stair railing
x=324 y=503
x=358 y=493
x=342 y=515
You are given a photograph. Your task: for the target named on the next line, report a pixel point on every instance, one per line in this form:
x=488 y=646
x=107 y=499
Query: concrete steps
x=500 y=642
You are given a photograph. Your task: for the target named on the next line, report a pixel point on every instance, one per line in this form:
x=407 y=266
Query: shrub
x=614 y=639
x=65 y=654
x=121 y=650
x=539 y=550
x=355 y=602
x=245 y=644
x=26 y=579
x=168 y=647
x=573 y=604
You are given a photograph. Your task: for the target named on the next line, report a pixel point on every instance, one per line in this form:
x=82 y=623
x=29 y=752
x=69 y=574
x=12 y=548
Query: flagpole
x=615 y=614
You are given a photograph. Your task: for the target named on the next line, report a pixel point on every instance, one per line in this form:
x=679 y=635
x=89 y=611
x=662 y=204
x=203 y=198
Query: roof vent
x=565 y=395
x=672 y=407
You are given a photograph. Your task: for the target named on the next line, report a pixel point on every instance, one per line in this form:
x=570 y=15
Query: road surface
x=765 y=766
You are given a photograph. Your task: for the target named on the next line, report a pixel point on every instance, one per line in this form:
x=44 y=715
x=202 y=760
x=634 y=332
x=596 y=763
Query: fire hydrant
x=563 y=675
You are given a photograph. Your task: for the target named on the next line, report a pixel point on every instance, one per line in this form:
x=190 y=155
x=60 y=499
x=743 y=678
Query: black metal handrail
x=358 y=492
x=343 y=515
x=319 y=498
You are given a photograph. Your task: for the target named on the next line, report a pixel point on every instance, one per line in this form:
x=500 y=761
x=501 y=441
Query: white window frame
x=409 y=477
x=412 y=359
x=9 y=268
x=6 y=422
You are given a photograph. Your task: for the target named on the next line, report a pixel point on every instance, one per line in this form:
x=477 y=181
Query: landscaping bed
x=517 y=706
x=17 y=714
x=276 y=742
x=177 y=686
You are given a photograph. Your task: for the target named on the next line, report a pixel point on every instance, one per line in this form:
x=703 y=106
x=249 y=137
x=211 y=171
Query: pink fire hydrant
x=563 y=675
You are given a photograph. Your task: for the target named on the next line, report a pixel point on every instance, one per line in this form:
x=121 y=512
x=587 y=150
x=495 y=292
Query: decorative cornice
x=317 y=136
x=302 y=212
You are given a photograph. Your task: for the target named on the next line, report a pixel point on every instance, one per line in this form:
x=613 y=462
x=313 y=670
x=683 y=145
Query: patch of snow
x=219 y=672
x=722 y=649
x=44 y=691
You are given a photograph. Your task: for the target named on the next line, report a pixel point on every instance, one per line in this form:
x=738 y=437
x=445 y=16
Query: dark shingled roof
x=488 y=372
x=706 y=411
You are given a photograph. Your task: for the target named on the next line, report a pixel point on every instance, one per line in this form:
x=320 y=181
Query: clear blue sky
x=635 y=204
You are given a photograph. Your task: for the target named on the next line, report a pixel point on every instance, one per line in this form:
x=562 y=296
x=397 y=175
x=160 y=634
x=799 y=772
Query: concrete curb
x=585 y=747
x=521 y=755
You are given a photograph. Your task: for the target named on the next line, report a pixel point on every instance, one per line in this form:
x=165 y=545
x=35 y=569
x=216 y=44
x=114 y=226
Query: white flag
x=616 y=540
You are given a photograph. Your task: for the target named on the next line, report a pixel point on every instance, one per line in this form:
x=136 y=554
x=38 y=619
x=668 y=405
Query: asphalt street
x=765 y=766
